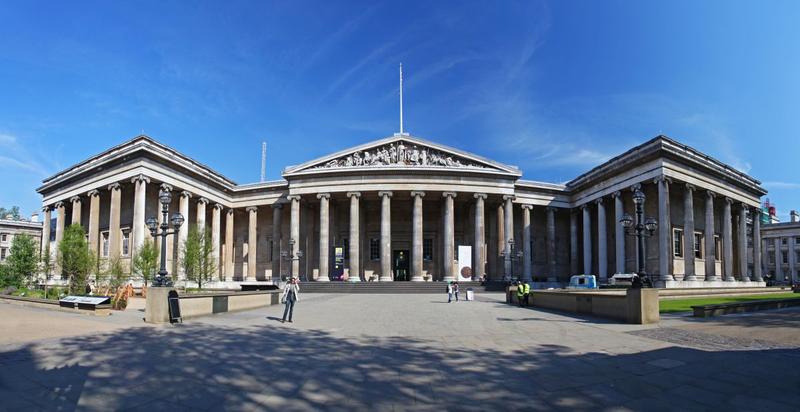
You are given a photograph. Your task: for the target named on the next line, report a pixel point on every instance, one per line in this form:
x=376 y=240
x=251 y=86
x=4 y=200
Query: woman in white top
x=291 y=294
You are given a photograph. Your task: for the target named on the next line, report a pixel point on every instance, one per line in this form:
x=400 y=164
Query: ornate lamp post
x=640 y=229
x=164 y=197
x=512 y=256
x=288 y=255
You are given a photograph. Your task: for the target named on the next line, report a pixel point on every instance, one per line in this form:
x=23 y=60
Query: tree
x=75 y=259
x=197 y=259
x=22 y=261
x=145 y=262
x=13 y=211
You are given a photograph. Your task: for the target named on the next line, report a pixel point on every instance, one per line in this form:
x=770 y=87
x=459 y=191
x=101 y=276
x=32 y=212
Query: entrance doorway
x=400 y=265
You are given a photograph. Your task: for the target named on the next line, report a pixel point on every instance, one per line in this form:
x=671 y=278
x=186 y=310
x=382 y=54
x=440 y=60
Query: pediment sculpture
x=401 y=154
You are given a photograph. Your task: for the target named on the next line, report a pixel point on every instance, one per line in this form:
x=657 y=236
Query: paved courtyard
x=397 y=352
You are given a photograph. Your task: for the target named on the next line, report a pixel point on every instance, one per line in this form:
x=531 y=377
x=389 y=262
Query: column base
x=417 y=278
x=385 y=279
x=448 y=279
x=322 y=278
x=354 y=279
x=691 y=278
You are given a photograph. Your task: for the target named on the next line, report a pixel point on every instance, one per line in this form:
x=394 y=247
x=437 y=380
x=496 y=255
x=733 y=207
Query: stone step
x=392 y=287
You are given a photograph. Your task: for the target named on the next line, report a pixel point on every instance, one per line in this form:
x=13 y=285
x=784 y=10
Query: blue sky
x=552 y=87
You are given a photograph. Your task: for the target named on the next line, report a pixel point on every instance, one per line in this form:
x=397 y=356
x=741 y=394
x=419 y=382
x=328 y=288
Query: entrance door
x=400 y=265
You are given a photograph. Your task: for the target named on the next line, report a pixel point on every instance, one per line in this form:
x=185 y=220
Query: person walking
x=291 y=294
x=527 y=292
x=520 y=293
x=449 y=292
x=455 y=290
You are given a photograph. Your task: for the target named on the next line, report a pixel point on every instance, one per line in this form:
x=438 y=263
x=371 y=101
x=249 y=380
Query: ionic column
x=114 y=234
x=587 y=240
x=778 y=259
x=46 y=231
x=416 y=237
x=480 y=237
x=139 y=230
x=727 y=241
x=664 y=229
x=229 y=245
x=252 y=242
x=526 y=243
x=215 y=235
x=294 y=233
x=573 y=243
x=277 y=236
x=355 y=244
x=509 y=234
x=757 y=260
x=449 y=236
x=60 y=222
x=688 y=233
x=602 y=241
x=551 y=244
x=201 y=214
x=183 y=232
x=94 y=220
x=710 y=252
x=386 y=236
x=619 y=233
x=76 y=210
x=743 y=243
x=324 y=236
x=501 y=238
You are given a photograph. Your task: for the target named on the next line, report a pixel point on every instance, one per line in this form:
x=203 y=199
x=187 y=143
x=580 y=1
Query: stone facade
x=400 y=207
x=10 y=228
x=780 y=244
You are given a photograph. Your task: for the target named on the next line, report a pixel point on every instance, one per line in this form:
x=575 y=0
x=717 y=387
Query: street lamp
x=164 y=197
x=641 y=228
x=511 y=256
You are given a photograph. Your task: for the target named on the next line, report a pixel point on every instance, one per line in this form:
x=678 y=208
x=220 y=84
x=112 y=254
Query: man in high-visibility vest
x=520 y=293
x=526 y=291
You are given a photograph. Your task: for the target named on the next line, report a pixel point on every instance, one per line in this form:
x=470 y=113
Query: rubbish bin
x=470 y=294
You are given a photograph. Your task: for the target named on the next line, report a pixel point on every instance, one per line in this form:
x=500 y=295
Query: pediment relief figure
x=402 y=154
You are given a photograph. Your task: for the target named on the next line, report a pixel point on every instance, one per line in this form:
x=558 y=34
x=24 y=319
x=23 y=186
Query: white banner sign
x=464 y=263
x=91 y=300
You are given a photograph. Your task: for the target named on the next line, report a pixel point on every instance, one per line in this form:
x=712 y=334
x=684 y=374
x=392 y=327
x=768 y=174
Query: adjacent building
x=781 y=242
x=405 y=208
x=9 y=228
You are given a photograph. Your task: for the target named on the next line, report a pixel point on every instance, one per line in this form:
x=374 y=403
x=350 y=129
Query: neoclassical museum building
x=408 y=209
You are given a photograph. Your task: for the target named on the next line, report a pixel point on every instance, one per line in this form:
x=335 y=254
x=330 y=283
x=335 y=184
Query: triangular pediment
x=401 y=152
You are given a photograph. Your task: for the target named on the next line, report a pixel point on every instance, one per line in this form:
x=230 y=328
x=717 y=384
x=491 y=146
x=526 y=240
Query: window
x=3 y=254
x=105 y=244
x=698 y=245
x=797 y=255
x=427 y=249
x=374 y=249
x=785 y=258
x=126 y=242
x=346 y=246
x=3 y=237
x=677 y=242
x=783 y=241
x=797 y=241
x=771 y=258
x=717 y=248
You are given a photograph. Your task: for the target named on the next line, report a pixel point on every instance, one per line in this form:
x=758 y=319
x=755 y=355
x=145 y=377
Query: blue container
x=582 y=282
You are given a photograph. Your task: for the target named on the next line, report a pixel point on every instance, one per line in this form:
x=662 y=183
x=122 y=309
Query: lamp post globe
x=177 y=220
x=638 y=197
x=650 y=224
x=164 y=197
x=627 y=221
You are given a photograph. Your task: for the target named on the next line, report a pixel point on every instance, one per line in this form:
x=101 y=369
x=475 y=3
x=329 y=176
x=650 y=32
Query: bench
x=705 y=311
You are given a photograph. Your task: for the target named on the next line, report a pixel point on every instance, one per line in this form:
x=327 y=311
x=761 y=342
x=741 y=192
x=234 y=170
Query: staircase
x=395 y=287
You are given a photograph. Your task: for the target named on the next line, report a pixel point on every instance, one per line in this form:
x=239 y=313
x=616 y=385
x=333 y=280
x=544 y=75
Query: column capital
x=323 y=195
x=635 y=187
x=552 y=209
x=45 y=209
x=354 y=194
x=744 y=207
x=203 y=201
x=690 y=187
x=186 y=194
x=277 y=206
x=616 y=194
x=252 y=209
x=140 y=178
x=599 y=201
x=526 y=207
x=58 y=205
x=293 y=198
x=114 y=186
x=480 y=196
x=218 y=206
x=386 y=193
x=756 y=211
x=93 y=193
x=74 y=199
x=662 y=179
x=230 y=211
x=166 y=186
x=710 y=194
x=728 y=200
x=509 y=197
x=416 y=193
x=449 y=194
x=584 y=206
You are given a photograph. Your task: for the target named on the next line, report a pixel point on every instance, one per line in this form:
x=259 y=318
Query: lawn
x=685 y=305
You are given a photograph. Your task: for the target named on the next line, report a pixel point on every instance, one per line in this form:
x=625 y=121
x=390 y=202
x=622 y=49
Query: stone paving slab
x=393 y=352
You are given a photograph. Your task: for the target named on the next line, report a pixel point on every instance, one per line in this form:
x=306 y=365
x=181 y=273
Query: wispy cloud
x=332 y=41
x=17 y=157
x=781 y=185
